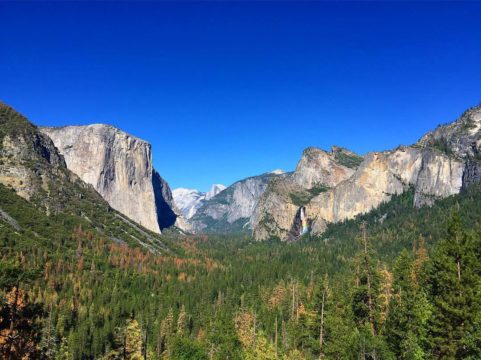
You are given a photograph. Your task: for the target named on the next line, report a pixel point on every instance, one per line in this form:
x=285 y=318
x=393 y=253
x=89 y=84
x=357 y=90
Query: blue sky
x=228 y=90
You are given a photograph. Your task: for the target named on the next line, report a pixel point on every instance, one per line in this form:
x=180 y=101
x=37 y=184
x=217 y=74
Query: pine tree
x=367 y=290
x=455 y=277
x=186 y=349
x=365 y=303
x=128 y=342
x=20 y=332
x=223 y=341
x=165 y=333
x=294 y=354
x=322 y=310
x=244 y=325
x=409 y=309
x=48 y=344
x=340 y=329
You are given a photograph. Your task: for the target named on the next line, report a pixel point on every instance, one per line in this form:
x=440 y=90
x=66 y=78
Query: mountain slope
x=32 y=167
x=461 y=138
x=214 y=190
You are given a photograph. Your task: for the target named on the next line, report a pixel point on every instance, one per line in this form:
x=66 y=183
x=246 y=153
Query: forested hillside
x=396 y=283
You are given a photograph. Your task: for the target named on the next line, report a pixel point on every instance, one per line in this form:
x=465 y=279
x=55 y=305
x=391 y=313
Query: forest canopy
x=398 y=282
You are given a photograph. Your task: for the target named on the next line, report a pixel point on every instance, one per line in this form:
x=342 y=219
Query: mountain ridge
x=330 y=186
x=440 y=164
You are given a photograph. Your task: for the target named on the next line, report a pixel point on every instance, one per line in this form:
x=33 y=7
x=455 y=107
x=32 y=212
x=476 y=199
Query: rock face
x=472 y=173
x=439 y=165
x=231 y=209
x=167 y=212
x=119 y=167
x=28 y=159
x=188 y=201
x=381 y=175
x=31 y=165
x=461 y=138
x=34 y=169
x=17 y=153
x=214 y=190
x=316 y=173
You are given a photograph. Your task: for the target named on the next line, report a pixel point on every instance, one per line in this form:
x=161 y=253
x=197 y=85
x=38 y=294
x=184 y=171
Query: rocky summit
x=335 y=186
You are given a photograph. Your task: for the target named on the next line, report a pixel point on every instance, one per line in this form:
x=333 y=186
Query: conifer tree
x=366 y=310
x=455 y=277
x=367 y=289
x=187 y=349
x=128 y=342
x=263 y=349
x=409 y=309
x=165 y=333
x=20 y=332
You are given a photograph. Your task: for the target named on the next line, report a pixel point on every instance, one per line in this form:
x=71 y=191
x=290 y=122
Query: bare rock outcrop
x=29 y=161
x=32 y=166
x=461 y=138
x=317 y=172
x=442 y=163
x=119 y=166
x=382 y=175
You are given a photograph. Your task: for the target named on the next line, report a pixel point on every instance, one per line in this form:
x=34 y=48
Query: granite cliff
x=119 y=166
x=333 y=188
x=317 y=172
x=326 y=186
x=31 y=167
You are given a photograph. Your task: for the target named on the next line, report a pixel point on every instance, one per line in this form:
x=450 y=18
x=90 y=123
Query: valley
x=82 y=278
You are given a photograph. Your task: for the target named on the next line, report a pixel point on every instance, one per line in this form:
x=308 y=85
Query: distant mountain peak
x=184 y=191
x=188 y=201
x=214 y=190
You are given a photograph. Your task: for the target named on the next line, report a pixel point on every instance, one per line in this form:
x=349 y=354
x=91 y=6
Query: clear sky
x=228 y=90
